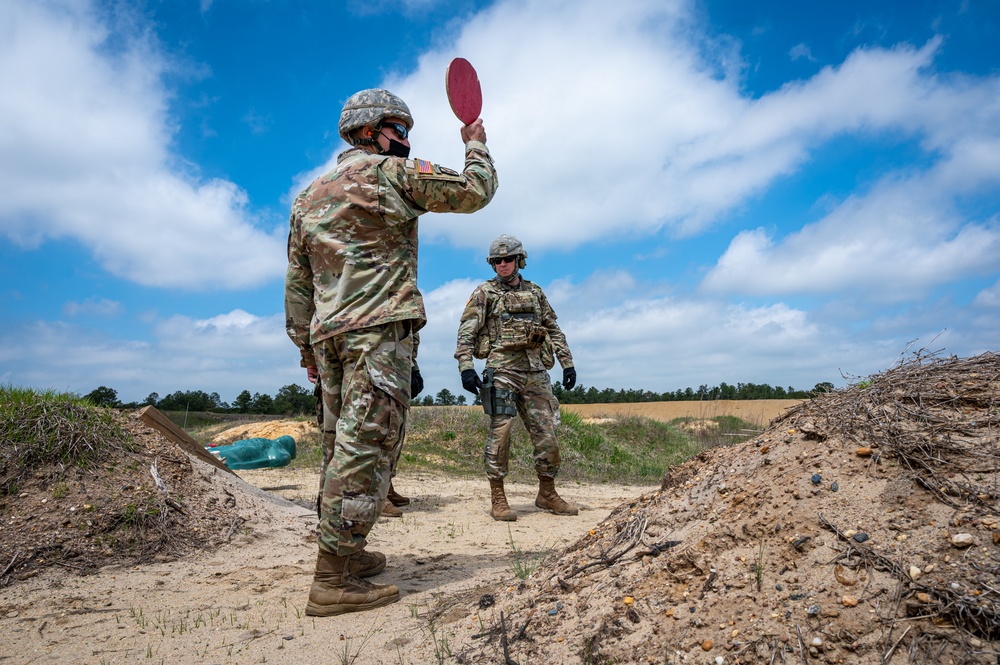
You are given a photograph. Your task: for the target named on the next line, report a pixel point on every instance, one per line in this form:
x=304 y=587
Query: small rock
x=863 y=452
x=849 y=533
x=830 y=614
x=860 y=537
x=719 y=660
x=834 y=487
x=817 y=642
x=962 y=540
x=813 y=610
x=975 y=644
x=915 y=572
x=849 y=601
x=923 y=597
x=707 y=645
x=816 y=479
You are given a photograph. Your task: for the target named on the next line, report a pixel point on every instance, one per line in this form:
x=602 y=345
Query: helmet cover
x=369 y=108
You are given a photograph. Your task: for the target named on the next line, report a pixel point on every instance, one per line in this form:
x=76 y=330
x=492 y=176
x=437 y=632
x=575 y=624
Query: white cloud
x=800 y=51
x=652 y=131
x=97 y=307
x=895 y=243
x=226 y=354
x=625 y=338
x=988 y=297
x=86 y=156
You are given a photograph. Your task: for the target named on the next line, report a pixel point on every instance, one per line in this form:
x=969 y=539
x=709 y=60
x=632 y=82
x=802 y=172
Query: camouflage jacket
x=512 y=327
x=352 y=243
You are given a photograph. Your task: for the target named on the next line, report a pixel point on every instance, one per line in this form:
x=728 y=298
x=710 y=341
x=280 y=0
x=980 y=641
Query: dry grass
x=759 y=411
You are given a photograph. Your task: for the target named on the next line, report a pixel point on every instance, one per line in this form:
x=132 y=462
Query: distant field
x=752 y=410
x=759 y=411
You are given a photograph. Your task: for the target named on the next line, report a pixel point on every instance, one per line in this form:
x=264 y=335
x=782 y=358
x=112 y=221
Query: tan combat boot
x=336 y=591
x=389 y=510
x=547 y=498
x=499 y=510
x=397 y=499
x=365 y=563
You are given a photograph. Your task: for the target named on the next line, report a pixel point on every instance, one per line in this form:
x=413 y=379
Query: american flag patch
x=423 y=166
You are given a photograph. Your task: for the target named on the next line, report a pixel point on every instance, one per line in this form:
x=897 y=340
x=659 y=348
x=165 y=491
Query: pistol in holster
x=496 y=401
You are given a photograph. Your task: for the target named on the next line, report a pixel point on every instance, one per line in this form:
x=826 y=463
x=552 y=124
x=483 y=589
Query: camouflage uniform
x=494 y=320
x=352 y=306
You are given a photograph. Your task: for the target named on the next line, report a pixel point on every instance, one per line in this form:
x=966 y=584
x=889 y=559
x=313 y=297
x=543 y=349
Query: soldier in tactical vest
x=352 y=308
x=508 y=321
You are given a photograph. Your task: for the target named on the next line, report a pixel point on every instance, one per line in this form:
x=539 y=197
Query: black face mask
x=397 y=149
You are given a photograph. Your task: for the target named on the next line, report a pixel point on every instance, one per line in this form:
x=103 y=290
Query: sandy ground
x=243 y=603
x=862 y=527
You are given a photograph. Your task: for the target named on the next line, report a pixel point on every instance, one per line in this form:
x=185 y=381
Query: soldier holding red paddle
x=353 y=309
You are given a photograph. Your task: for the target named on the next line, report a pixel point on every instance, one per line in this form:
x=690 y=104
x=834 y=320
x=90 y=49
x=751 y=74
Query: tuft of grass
x=525 y=563
x=52 y=430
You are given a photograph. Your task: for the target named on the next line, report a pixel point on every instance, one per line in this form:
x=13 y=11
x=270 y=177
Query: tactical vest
x=513 y=323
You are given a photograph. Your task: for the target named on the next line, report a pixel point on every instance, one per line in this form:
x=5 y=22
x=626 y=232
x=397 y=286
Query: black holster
x=496 y=401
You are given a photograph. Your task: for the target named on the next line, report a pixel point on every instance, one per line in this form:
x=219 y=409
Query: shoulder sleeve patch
x=425 y=170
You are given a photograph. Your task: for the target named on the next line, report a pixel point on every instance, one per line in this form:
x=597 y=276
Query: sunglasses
x=397 y=127
x=504 y=259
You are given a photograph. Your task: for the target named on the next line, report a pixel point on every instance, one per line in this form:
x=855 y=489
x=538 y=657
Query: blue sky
x=778 y=192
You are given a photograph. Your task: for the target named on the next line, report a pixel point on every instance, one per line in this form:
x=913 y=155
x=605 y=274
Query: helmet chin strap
x=512 y=277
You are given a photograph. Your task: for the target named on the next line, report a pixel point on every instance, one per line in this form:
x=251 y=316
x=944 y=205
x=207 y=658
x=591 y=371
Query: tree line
x=293 y=399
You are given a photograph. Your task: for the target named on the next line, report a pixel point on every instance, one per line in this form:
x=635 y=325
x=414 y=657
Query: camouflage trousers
x=365 y=378
x=539 y=411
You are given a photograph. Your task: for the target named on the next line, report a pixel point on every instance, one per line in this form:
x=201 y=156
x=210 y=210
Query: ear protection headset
x=367 y=137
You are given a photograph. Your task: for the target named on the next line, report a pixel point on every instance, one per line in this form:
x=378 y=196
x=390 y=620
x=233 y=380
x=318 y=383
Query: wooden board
x=155 y=419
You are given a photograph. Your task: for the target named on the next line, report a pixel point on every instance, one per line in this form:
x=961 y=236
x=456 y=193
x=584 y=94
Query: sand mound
x=861 y=527
x=115 y=511
x=269 y=429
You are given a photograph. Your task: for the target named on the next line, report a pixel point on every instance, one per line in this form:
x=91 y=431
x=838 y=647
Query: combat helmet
x=507 y=245
x=370 y=107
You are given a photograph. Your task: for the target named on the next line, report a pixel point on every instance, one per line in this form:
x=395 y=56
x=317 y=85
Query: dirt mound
x=114 y=511
x=861 y=527
x=269 y=429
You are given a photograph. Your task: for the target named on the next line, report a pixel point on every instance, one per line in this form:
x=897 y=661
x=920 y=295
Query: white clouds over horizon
x=648 y=134
x=87 y=156
x=633 y=160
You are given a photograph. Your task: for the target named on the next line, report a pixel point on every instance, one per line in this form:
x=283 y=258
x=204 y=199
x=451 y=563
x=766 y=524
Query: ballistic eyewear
x=504 y=259
x=397 y=127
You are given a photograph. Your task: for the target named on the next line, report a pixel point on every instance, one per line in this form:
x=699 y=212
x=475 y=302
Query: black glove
x=569 y=378
x=416 y=383
x=470 y=381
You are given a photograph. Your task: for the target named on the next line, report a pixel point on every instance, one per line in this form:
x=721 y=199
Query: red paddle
x=464 y=94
